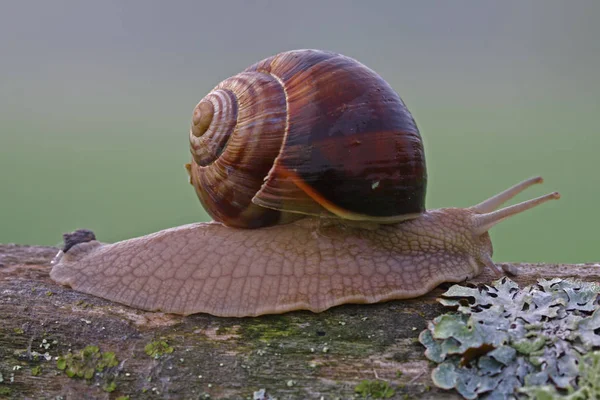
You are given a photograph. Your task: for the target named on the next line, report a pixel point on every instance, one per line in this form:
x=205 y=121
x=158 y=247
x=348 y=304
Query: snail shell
x=298 y=134
x=306 y=132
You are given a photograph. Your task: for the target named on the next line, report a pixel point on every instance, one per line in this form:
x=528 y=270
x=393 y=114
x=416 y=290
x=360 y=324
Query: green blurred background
x=96 y=99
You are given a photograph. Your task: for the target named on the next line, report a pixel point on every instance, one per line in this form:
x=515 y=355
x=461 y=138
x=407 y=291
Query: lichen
x=82 y=304
x=503 y=338
x=85 y=363
x=109 y=386
x=158 y=348
x=588 y=383
x=374 y=389
x=270 y=328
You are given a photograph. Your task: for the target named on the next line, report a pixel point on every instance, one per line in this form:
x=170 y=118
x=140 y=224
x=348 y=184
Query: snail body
x=314 y=172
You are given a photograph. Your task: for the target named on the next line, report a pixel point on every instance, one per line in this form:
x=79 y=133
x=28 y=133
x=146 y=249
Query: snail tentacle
x=314 y=172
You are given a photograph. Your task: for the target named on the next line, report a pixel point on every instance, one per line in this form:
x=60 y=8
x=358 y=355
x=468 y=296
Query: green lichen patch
x=82 y=304
x=502 y=338
x=109 y=386
x=158 y=348
x=85 y=363
x=341 y=331
x=374 y=390
x=37 y=370
x=298 y=346
x=270 y=328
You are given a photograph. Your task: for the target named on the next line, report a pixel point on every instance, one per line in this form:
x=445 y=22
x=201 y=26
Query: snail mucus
x=313 y=171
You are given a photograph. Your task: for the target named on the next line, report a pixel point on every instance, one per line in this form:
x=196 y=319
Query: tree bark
x=299 y=355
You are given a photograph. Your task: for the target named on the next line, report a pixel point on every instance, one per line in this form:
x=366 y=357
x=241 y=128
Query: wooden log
x=299 y=355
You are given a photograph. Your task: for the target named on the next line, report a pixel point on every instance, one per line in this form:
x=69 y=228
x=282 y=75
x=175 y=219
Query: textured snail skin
x=310 y=264
x=211 y=268
x=321 y=155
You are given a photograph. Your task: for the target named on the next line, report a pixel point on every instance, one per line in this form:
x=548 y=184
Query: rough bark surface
x=299 y=355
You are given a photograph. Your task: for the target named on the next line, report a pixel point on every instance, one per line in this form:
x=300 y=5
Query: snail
x=313 y=171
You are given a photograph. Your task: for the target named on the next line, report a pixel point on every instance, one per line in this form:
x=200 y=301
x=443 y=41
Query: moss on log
x=48 y=333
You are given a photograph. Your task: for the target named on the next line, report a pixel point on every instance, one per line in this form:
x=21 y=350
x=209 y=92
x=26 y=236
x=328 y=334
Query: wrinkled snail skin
x=309 y=264
x=314 y=172
x=225 y=271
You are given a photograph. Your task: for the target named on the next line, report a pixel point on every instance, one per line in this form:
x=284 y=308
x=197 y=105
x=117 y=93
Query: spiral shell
x=306 y=132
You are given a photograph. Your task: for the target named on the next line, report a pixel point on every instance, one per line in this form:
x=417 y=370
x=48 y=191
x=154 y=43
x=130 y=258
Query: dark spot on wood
x=76 y=237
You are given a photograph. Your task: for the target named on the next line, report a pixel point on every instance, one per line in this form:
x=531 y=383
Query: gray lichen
x=588 y=382
x=503 y=338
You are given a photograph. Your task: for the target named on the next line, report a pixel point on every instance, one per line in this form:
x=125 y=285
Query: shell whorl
x=234 y=152
x=306 y=132
x=207 y=139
